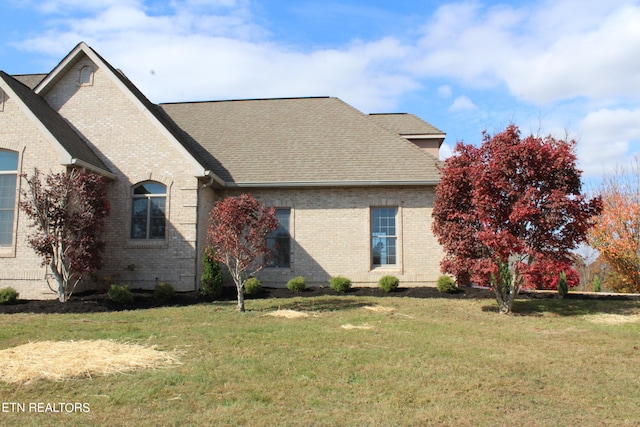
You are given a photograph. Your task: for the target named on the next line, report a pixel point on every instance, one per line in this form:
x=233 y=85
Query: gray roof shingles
x=405 y=124
x=300 y=140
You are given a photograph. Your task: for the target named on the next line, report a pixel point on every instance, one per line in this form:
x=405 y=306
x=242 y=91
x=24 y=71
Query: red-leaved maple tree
x=68 y=214
x=237 y=237
x=507 y=205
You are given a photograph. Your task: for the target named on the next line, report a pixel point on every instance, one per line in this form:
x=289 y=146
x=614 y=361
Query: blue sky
x=551 y=67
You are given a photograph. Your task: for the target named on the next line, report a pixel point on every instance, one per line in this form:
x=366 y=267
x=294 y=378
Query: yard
x=345 y=361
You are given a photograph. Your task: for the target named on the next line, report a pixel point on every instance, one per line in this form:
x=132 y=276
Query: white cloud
x=185 y=55
x=462 y=103
x=608 y=136
x=445 y=91
x=546 y=52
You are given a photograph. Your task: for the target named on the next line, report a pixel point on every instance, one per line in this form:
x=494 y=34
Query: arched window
x=86 y=75
x=8 y=177
x=148 y=211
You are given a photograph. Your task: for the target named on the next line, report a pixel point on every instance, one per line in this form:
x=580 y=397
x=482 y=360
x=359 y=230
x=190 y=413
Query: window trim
x=289 y=237
x=148 y=239
x=81 y=76
x=3 y=97
x=395 y=236
x=8 y=249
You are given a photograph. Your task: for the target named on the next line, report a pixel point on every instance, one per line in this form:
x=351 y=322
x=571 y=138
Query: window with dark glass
x=279 y=241
x=8 y=178
x=148 y=211
x=383 y=236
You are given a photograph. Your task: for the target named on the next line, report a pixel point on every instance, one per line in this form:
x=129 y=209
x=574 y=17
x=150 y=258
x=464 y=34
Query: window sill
x=389 y=267
x=146 y=244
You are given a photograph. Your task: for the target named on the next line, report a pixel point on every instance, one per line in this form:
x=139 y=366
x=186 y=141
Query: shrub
x=163 y=292
x=8 y=296
x=446 y=284
x=388 y=283
x=120 y=294
x=252 y=286
x=211 y=282
x=340 y=284
x=297 y=284
x=563 y=288
x=596 y=283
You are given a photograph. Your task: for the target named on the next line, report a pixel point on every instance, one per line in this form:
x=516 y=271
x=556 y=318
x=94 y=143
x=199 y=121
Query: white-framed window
x=384 y=236
x=279 y=240
x=8 y=181
x=86 y=76
x=148 y=209
x=2 y=97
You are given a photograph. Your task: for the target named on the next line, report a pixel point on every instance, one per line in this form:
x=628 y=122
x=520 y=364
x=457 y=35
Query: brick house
x=353 y=192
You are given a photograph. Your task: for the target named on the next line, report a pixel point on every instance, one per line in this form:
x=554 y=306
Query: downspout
x=209 y=183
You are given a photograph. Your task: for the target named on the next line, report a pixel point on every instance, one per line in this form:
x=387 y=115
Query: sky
x=560 y=67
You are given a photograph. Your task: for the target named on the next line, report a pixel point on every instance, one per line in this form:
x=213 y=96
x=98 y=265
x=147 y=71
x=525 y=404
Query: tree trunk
x=240 y=298
x=62 y=294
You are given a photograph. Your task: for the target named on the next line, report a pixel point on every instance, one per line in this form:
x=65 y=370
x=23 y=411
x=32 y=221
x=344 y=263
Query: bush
x=211 y=282
x=163 y=292
x=596 y=283
x=340 y=284
x=388 y=283
x=252 y=286
x=446 y=284
x=563 y=288
x=8 y=296
x=120 y=294
x=297 y=284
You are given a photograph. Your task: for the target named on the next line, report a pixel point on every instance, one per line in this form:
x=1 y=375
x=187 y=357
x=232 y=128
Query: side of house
x=353 y=192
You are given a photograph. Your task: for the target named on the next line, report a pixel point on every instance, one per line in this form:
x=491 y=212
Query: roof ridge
x=245 y=100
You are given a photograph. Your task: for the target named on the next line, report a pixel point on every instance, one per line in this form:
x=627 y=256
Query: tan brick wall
x=331 y=234
x=20 y=268
x=135 y=150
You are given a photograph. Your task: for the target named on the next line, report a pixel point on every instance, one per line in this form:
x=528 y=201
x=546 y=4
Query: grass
x=426 y=362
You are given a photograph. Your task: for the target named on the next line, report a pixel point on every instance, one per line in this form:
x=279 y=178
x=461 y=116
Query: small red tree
x=68 y=214
x=508 y=204
x=237 y=237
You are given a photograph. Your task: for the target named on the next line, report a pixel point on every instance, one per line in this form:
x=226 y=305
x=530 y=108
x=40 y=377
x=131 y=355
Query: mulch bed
x=99 y=302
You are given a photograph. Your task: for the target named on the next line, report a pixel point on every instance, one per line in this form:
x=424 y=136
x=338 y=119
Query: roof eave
x=299 y=184
x=84 y=165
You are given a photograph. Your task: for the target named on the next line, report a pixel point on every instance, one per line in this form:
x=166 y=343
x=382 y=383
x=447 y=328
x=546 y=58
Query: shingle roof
x=298 y=141
x=54 y=123
x=29 y=80
x=406 y=124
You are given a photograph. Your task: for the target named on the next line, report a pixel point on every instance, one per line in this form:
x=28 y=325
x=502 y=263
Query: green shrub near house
x=211 y=282
x=120 y=294
x=388 y=283
x=8 y=296
x=163 y=292
x=446 y=284
x=297 y=284
x=252 y=286
x=340 y=284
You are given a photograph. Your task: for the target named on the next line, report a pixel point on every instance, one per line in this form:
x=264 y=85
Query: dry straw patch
x=380 y=309
x=288 y=314
x=364 y=327
x=613 y=319
x=61 y=360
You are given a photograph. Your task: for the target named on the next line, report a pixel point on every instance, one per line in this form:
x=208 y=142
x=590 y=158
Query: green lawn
x=428 y=362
